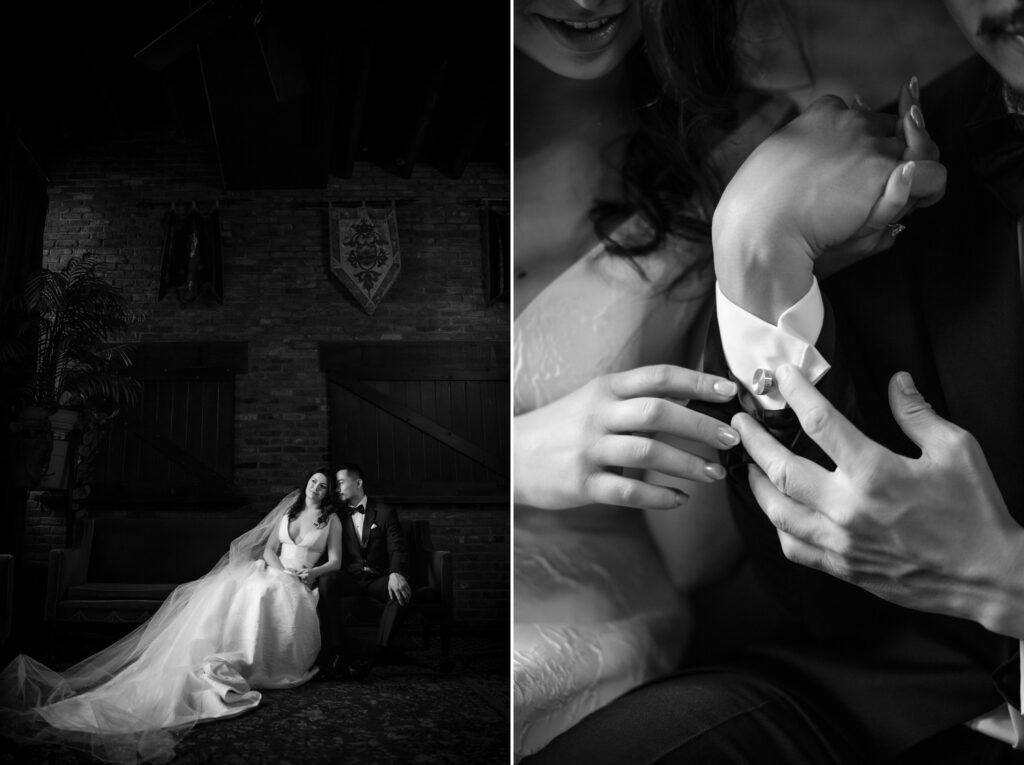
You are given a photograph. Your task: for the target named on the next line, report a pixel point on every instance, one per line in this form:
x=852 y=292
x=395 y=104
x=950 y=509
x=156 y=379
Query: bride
x=248 y=624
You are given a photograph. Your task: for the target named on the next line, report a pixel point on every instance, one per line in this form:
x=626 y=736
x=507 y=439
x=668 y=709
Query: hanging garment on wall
x=364 y=252
x=191 y=262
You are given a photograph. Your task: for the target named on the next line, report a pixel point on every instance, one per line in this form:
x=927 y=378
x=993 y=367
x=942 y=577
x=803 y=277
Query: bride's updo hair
x=326 y=504
x=684 y=84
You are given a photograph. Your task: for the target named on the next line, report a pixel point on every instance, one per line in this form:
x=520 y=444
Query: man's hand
x=930 y=533
x=399 y=589
x=818 y=195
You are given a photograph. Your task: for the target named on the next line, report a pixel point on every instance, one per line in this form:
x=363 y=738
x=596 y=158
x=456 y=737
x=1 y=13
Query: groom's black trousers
x=340 y=592
x=745 y=714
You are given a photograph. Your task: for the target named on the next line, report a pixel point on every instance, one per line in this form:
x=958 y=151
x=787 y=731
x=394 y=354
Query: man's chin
x=1008 y=61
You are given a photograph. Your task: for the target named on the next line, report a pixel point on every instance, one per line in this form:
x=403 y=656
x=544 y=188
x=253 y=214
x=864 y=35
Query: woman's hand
x=927 y=186
x=572 y=452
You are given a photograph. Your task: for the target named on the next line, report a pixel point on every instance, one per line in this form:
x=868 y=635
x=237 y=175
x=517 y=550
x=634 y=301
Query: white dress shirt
x=358 y=518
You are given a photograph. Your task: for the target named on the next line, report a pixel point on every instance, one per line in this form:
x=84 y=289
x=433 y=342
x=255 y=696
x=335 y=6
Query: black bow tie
x=358 y=509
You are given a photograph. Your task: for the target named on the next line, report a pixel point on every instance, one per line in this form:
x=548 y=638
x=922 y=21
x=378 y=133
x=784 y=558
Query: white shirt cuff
x=750 y=343
x=1003 y=723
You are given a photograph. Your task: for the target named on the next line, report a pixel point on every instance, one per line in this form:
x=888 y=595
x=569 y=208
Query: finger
x=908 y=95
x=658 y=415
x=828 y=101
x=785 y=513
x=668 y=380
x=794 y=518
x=894 y=198
x=792 y=475
x=649 y=454
x=838 y=438
x=919 y=143
x=804 y=554
x=610 y=489
x=860 y=104
x=929 y=183
x=914 y=415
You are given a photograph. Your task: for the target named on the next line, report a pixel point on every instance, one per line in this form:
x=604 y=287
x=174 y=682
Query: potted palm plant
x=72 y=336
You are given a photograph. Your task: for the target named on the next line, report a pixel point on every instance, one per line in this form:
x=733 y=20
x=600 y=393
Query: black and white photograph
x=768 y=381
x=255 y=301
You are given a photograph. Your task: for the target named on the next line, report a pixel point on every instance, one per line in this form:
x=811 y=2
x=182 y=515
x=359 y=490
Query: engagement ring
x=895 y=229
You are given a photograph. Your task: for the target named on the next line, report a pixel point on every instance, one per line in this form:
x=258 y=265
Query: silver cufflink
x=764 y=381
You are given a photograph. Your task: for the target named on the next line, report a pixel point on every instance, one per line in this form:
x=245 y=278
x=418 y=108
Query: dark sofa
x=125 y=565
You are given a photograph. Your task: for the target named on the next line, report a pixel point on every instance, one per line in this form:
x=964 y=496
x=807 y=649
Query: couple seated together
x=251 y=623
x=768 y=398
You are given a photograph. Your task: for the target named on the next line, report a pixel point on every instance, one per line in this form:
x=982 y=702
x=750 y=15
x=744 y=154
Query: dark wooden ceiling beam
x=424 y=116
x=355 y=125
x=475 y=130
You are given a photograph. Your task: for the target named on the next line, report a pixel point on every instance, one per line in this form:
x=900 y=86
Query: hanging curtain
x=191 y=262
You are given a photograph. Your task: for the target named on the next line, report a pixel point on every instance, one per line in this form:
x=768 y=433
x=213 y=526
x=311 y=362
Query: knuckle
x=641 y=450
x=628 y=493
x=702 y=383
x=790 y=548
x=779 y=473
x=659 y=375
x=836 y=566
x=650 y=412
x=816 y=420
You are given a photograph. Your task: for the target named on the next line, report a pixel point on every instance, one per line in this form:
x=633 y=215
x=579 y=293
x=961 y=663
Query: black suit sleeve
x=397 y=558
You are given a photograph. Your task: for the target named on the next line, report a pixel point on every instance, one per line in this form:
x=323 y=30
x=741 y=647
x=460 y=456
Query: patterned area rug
x=403 y=713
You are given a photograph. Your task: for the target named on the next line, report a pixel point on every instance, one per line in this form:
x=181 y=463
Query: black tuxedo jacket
x=944 y=304
x=381 y=549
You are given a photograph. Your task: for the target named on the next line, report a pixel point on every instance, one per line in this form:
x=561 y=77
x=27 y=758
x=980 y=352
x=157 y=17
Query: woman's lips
x=583 y=36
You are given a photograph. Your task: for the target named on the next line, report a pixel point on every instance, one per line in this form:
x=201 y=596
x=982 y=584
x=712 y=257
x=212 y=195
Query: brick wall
x=112 y=200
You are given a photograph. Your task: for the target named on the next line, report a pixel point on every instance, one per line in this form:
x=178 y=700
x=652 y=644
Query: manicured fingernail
x=681 y=498
x=907 y=174
x=714 y=472
x=915 y=88
x=906 y=384
x=724 y=387
x=728 y=436
x=917 y=116
x=783 y=372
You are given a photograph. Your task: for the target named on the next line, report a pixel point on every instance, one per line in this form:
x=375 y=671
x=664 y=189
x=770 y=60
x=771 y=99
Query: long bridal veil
x=159 y=660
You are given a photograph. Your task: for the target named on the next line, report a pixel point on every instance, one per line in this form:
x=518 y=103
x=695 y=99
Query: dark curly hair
x=683 y=83
x=326 y=504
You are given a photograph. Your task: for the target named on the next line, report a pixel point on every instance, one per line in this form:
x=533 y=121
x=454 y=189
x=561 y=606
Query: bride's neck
x=549 y=108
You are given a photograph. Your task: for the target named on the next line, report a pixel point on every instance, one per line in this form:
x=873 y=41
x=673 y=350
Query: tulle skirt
x=203 y=656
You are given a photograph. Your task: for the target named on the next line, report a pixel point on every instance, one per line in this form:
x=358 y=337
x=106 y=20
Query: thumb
x=913 y=414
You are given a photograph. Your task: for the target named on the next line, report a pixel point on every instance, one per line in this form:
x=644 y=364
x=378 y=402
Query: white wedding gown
x=244 y=626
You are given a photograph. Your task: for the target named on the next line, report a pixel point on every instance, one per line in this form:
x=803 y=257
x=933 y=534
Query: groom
x=374 y=564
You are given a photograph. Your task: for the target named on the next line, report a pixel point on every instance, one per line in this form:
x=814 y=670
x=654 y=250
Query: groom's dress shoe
x=359 y=670
x=328 y=669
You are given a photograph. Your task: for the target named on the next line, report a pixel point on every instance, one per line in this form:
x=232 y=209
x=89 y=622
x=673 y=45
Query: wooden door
x=177 y=443
x=426 y=421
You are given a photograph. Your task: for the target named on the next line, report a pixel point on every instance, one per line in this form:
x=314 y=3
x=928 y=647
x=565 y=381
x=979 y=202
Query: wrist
x=762 y=269
x=1002 y=611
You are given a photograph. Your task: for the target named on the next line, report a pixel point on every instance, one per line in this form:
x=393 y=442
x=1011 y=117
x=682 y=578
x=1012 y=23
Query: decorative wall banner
x=365 y=255
x=191 y=260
